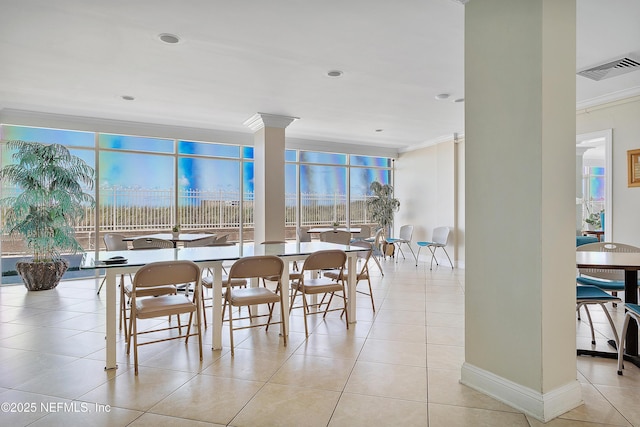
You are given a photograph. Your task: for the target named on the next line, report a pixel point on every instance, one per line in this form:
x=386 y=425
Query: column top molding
x=262 y=120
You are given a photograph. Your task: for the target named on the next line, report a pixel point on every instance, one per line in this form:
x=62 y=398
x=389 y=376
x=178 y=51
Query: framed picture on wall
x=633 y=161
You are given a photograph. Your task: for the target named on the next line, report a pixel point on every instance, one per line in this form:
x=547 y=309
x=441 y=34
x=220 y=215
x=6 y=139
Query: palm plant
x=51 y=199
x=382 y=205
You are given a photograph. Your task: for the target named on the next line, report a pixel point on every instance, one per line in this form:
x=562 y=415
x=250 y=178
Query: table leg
x=631 y=296
x=216 y=312
x=111 y=319
x=284 y=289
x=351 y=285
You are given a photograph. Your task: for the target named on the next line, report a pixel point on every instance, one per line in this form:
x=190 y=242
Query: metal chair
x=362 y=274
x=607 y=280
x=586 y=295
x=440 y=240
x=164 y=274
x=340 y=237
x=406 y=234
x=632 y=312
x=255 y=267
x=321 y=260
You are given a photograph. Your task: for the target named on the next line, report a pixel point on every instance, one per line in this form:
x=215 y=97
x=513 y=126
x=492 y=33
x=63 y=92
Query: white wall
x=624 y=118
x=426 y=185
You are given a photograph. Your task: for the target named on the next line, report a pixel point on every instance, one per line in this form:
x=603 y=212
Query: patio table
x=180 y=238
x=209 y=257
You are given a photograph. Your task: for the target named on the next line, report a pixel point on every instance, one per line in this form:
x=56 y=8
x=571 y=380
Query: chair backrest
x=441 y=235
x=151 y=243
x=303 y=234
x=166 y=273
x=339 y=236
x=378 y=240
x=605 y=247
x=201 y=242
x=220 y=241
x=256 y=266
x=115 y=242
x=364 y=255
x=273 y=242
x=365 y=232
x=406 y=232
x=325 y=260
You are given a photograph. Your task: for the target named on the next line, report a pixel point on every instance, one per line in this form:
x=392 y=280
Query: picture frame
x=633 y=164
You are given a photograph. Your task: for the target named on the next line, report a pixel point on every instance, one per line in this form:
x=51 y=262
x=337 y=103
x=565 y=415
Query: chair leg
x=305 y=308
x=447 y=254
x=230 y=327
x=102 y=284
x=593 y=334
x=418 y=255
x=613 y=327
x=627 y=318
x=378 y=263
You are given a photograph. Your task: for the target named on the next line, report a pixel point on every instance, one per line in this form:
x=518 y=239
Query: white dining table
x=209 y=257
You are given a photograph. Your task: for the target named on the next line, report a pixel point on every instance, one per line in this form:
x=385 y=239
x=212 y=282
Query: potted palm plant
x=382 y=205
x=51 y=199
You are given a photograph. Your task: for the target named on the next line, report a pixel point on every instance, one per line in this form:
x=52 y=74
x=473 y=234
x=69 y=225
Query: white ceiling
x=240 y=57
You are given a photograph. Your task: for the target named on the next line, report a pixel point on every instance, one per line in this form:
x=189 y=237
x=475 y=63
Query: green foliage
x=382 y=205
x=52 y=198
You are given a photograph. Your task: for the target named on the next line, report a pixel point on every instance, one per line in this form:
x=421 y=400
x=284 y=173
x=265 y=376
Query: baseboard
x=541 y=406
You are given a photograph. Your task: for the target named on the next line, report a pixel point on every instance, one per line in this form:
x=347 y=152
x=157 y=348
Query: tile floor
x=399 y=366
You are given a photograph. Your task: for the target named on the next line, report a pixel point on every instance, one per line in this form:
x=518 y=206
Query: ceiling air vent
x=611 y=69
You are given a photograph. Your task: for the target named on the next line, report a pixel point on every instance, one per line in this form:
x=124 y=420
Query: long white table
x=210 y=257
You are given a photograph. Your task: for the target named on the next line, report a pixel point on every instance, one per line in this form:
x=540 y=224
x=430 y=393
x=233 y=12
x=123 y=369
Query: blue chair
x=586 y=295
x=583 y=240
x=632 y=312
x=440 y=240
x=406 y=234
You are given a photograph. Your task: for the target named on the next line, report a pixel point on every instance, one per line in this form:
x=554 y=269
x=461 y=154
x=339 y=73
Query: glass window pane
x=290 y=155
x=247 y=152
x=138 y=143
x=207 y=149
x=323 y=194
x=327 y=158
x=361 y=179
x=136 y=191
x=381 y=162
x=68 y=138
x=209 y=196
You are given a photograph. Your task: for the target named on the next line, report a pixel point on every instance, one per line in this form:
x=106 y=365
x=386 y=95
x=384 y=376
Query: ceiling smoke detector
x=614 y=68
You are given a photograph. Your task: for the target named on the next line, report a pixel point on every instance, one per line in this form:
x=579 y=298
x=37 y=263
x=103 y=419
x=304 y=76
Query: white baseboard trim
x=541 y=406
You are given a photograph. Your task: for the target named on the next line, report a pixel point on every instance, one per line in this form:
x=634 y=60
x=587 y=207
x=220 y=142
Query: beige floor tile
x=625 y=399
x=154 y=420
x=398 y=332
x=27 y=365
x=208 y=398
x=394 y=352
x=22 y=408
x=282 y=405
x=445 y=388
x=600 y=371
x=386 y=380
x=596 y=409
x=345 y=345
x=138 y=392
x=445 y=356
x=88 y=414
x=70 y=380
x=449 y=320
x=247 y=364
x=404 y=303
x=317 y=372
x=335 y=326
x=402 y=317
x=356 y=410
x=459 y=416
x=560 y=422
x=445 y=335
x=271 y=341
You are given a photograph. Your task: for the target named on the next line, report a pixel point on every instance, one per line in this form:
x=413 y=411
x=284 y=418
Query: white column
x=520 y=121
x=268 y=153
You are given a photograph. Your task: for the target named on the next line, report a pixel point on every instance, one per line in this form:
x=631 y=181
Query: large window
x=149 y=184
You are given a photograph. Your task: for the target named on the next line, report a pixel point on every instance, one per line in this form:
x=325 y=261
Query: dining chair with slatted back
x=159 y=274
x=340 y=237
x=362 y=273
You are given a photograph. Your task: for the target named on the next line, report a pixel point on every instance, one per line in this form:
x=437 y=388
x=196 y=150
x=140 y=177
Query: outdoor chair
x=321 y=260
x=440 y=240
x=340 y=237
x=151 y=243
x=249 y=268
x=164 y=274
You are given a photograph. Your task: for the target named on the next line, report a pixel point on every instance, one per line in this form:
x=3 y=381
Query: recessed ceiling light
x=379 y=130
x=169 y=38
x=128 y=97
x=458 y=100
x=442 y=96
x=335 y=73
